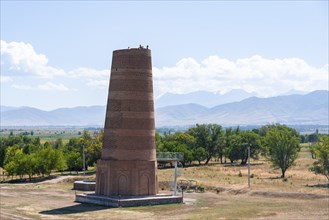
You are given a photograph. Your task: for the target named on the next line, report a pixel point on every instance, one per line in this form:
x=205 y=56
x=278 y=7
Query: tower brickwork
x=128 y=164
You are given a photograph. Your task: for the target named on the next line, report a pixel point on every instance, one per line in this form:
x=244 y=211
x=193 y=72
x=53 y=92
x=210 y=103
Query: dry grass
x=270 y=197
x=299 y=178
x=55 y=201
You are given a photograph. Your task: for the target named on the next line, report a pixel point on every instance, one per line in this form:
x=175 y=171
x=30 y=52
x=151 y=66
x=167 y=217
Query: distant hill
x=207 y=99
x=308 y=109
x=78 y=116
x=6 y=108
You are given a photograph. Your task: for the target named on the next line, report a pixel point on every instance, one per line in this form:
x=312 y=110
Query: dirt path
x=59 y=179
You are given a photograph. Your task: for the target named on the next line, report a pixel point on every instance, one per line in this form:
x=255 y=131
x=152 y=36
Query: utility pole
x=249 y=166
x=83 y=158
x=175 y=179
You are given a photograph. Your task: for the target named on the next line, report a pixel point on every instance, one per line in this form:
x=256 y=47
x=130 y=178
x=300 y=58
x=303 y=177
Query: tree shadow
x=272 y=178
x=326 y=185
x=79 y=208
x=33 y=180
x=39 y=179
x=242 y=165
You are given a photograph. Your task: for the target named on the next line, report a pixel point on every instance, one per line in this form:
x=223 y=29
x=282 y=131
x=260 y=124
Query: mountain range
x=209 y=99
x=295 y=109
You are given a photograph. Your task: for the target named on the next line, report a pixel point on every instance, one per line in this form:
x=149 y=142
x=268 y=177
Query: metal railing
x=170 y=156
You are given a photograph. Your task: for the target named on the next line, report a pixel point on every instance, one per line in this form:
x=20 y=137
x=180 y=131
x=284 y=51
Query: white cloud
x=22 y=87
x=49 y=86
x=20 y=56
x=98 y=83
x=95 y=78
x=89 y=73
x=266 y=77
x=4 y=79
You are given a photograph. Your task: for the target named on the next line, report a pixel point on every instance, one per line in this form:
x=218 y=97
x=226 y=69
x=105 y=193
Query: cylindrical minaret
x=128 y=162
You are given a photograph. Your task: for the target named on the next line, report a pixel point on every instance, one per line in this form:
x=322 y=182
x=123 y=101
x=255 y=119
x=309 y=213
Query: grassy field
x=303 y=196
x=45 y=134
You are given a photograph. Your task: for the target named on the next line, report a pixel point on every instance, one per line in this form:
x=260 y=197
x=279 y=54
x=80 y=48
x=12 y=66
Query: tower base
x=127 y=201
x=126 y=178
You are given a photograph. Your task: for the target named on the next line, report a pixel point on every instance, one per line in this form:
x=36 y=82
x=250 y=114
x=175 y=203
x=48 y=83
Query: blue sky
x=58 y=54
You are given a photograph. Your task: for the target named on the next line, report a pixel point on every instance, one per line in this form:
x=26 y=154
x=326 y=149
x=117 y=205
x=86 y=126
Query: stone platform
x=84 y=185
x=127 y=201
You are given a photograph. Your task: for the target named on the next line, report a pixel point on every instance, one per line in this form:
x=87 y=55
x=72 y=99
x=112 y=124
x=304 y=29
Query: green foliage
x=237 y=143
x=313 y=149
x=207 y=136
x=48 y=159
x=321 y=166
x=312 y=138
x=234 y=144
x=13 y=163
x=203 y=142
x=199 y=154
x=24 y=155
x=30 y=164
x=59 y=144
x=251 y=139
x=93 y=146
x=3 y=148
x=177 y=142
x=282 y=145
x=74 y=161
x=22 y=142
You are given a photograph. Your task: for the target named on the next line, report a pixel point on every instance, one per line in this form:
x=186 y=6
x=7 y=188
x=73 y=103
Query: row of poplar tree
x=23 y=155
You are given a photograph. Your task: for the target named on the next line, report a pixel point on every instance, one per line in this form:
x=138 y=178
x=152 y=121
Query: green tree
x=60 y=163
x=59 y=144
x=73 y=145
x=177 y=142
x=13 y=163
x=313 y=138
x=48 y=159
x=183 y=148
x=313 y=148
x=93 y=149
x=321 y=166
x=86 y=142
x=227 y=145
x=74 y=161
x=30 y=165
x=283 y=147
x=158 y=142
x=207 y=136
x=251 y=139
x=199 y=154
x=234 y=147
x=3 y=149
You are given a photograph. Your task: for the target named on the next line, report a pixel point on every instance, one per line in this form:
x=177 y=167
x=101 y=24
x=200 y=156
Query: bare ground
x=55 y=200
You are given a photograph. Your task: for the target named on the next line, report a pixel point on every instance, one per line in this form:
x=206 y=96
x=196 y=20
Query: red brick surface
x=128 y=162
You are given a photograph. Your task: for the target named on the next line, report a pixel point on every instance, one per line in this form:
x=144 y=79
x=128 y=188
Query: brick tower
x=128 y=164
